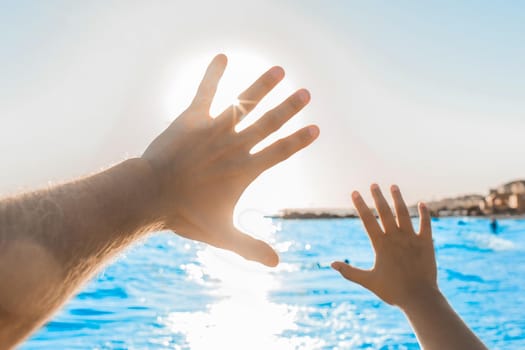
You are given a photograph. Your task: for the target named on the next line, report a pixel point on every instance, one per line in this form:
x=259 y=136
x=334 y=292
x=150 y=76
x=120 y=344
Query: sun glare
x=244 y=67
x=242 y=311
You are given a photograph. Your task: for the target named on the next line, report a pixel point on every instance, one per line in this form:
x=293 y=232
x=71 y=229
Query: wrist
x=421 y=298
x=146 y=188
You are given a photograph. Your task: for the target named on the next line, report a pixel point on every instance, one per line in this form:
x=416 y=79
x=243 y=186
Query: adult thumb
x=251 y=248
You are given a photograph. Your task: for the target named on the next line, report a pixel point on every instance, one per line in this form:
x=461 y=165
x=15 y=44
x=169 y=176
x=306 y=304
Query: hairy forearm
x=51 y=241
x=437 y=325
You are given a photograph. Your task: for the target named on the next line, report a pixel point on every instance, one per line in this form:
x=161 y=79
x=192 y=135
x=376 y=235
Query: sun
x=244 y=67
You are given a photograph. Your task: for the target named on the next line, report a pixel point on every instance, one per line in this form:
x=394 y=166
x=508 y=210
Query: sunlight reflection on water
x=243 y=311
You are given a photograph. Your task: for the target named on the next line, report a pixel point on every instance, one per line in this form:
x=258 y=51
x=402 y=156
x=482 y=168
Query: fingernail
x=422 y=205
x=355 y=195
x=395 y=188
x=313 y=131
x=303 y=95
x=277 y=72
x=374 y=187
x=335 y=266
x=221 y=57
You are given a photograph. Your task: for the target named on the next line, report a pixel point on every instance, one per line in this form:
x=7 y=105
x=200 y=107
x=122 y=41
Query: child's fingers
x=369 y=220
x=425 y=227
x=383 y=209
x=402 y=214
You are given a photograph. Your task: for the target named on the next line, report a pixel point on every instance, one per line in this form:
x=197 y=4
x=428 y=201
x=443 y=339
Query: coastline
x=332 y=216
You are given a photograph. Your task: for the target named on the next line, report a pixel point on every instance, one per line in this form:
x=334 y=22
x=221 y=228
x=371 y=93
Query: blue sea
x=167 y=292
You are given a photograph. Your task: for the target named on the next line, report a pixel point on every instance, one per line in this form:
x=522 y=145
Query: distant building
x=316 y=213
x=506 y=199
x=467 y=205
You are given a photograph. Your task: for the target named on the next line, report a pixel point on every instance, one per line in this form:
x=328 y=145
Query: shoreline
x=335 y=217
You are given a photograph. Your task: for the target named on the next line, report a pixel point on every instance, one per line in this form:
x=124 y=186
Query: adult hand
x=203 y=165
x=405 y=265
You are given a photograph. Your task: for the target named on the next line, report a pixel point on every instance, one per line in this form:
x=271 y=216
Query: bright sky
x=429 y=96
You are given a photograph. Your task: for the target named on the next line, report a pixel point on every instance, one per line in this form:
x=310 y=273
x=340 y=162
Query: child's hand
x=405 y=265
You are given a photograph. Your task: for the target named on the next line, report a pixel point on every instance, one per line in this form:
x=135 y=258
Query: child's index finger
x=367 y=217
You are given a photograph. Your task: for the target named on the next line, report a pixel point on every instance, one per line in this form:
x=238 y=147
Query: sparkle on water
x=171 y=293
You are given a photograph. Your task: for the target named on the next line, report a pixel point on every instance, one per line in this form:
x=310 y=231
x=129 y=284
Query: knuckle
x=272 y=122
x=295 y=103
x=267 y=81
x=305 y=136
x=258 y=133
x=286 y=146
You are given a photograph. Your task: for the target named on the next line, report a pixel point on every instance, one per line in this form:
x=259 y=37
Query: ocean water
x=170 y=293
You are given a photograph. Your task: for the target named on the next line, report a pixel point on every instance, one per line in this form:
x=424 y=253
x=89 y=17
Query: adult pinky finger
x=284 y=148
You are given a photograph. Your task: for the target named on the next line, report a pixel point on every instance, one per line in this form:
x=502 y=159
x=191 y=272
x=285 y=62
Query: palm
x=405 y=262
x=204 y=165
